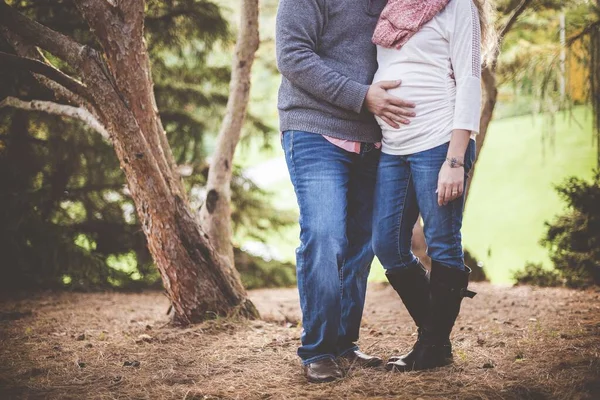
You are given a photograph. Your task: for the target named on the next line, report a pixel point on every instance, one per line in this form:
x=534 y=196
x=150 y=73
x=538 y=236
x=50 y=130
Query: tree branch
x=56 y=43
x=513 y=18
x=41 y=68
x=519 y=9
x=586 y=31
x=49 y=107
x=26 y=50
x=215 y=214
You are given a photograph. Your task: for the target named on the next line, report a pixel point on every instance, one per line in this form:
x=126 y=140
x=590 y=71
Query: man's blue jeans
x=406 y=186
x=334 y=189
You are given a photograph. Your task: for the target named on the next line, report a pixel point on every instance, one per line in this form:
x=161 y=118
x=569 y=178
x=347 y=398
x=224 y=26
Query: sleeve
x=465 y=56
x=299 y=23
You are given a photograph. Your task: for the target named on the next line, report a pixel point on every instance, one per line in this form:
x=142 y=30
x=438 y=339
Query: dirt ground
x=510 y=343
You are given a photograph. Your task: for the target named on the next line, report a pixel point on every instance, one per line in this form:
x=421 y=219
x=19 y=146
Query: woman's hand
x=451 y=183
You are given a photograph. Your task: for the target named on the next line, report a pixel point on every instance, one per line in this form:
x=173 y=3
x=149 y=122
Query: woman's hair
x=489 y=36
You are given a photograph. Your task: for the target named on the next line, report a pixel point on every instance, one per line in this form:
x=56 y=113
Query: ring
x=454 y=193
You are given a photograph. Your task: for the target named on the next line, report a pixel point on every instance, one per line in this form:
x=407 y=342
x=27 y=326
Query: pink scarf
x=401 y=19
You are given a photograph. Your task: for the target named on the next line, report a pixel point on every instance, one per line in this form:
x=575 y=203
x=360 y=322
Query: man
x=330 y=137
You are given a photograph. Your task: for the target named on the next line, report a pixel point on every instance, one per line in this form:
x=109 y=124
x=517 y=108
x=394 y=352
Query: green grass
x=513 y=188
x=512 y=193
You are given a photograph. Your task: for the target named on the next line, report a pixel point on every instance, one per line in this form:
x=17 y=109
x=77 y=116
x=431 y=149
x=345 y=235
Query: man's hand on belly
x=391 y=109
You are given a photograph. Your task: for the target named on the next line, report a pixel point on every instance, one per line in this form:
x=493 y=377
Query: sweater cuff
x=354 y=96
x=467 y=108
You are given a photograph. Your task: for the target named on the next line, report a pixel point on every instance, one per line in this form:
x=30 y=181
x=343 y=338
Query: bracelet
x=454 y=163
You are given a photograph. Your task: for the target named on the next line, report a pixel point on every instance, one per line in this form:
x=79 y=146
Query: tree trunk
x=215 y=215
x=199 y=282
x=490 y=93
x=419 y=244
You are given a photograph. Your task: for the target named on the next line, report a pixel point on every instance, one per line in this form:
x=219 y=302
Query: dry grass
x=542 y=343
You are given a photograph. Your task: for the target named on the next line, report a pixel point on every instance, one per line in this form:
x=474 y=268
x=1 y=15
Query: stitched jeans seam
x=293 y=167
x=398 y=250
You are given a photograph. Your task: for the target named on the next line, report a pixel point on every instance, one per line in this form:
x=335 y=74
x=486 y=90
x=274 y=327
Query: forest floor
x=510 y=343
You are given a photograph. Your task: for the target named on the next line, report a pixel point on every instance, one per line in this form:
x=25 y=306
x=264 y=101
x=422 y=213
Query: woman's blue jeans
x=406 y=187
x=334 y=189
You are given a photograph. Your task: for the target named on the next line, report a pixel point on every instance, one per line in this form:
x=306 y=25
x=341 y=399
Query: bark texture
x=116 y=88
x=215 y=215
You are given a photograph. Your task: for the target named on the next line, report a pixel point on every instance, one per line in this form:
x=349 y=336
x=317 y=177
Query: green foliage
x=573 y=238
x=66 y=218
x=535 y=77
x=259 y=273
x=535 y=274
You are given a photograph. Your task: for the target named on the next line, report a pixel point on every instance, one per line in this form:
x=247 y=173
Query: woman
x=434 y=46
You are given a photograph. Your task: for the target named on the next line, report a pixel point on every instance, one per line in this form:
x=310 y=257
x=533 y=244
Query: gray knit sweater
x=327 y=60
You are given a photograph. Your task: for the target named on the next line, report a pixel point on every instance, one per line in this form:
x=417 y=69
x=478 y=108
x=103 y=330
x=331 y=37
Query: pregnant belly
x=432 y=123
x=428 y=100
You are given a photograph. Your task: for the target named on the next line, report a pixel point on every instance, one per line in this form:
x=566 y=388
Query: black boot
x=446 y=349
x=412 y=285
x=435 y=317
x=448 y=287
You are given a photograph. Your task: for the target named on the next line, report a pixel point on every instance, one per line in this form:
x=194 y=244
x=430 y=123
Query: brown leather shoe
x=361 y=359
x=322 y=371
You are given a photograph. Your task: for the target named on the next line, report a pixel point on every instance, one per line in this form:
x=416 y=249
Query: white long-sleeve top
x=440 y=69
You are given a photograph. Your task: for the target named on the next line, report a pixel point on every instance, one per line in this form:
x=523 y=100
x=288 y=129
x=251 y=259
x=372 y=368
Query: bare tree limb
x=46 y=70
x=56 y=43
x=26 y=50
x=64 y=110
x=586 y=31
x=513 y=18
x=148 y=19
x=215 y=215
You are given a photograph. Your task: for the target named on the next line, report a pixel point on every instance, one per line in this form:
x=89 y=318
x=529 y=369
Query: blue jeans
x=334 y=189
x=406 y=186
